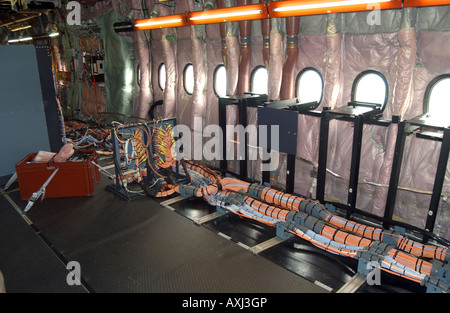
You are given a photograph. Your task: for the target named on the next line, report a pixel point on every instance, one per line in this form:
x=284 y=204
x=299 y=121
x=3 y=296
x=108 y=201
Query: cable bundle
x=294 y=215
x=311 y=221
x=162 y=142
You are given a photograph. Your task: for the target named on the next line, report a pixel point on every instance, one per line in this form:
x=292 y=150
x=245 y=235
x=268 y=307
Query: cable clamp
x=283 y=230
x=439 y=279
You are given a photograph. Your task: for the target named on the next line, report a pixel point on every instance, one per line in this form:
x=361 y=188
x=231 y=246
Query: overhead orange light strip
x=176 y=20
x=231 y=14
x=313 y=7
x=278 y=9
x=424 y=3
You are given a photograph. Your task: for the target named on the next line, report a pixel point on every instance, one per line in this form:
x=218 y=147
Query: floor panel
x=141 y=246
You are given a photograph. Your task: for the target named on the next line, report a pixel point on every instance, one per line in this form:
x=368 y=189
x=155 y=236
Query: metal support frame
x=286 y=121
x=243 y=102
x=356 y=160
x=266 y=174
x=290 y=173
x=358 y=115
x=438 y=180
x=243 y=170
x=52 y=116
x=323 y=155
x=395 y=172
x=404 y=129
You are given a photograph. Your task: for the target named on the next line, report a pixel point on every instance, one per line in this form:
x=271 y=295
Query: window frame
x=138 y=75
x=252 y=75
x=303 y=71
x=214 y=80
x=429 y=90
x=159 y=76
x=185 y=76
x=361 y=76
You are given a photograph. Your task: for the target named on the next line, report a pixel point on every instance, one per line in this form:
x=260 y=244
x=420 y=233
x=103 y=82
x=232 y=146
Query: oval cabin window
x=260 y=80
x=188 y=79
x=220 y=81
x=370 y=87
x=138 y=75
x=162 y=76
x=437 y=97
x=309 y=86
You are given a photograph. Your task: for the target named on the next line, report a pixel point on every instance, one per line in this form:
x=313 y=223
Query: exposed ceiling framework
x=16 y=14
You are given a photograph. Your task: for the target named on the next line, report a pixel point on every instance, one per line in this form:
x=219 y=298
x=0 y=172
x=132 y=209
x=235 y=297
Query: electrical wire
x=301 y=217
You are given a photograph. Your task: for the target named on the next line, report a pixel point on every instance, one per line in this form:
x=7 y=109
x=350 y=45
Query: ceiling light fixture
x=424 y=3
x=161 y=22
x=312 y=7
x=20 y=39
x=230 y=14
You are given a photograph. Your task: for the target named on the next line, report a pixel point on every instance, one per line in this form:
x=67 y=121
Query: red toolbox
x=73 y=179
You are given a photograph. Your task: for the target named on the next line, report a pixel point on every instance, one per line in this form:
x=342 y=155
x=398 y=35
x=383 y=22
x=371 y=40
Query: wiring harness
x=148 y=155
x=425 y=264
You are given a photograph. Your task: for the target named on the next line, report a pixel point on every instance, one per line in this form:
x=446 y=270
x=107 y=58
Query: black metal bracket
x=54 y=124
x=243 y=102
x=407 y=128
x=358 y=114
x=276 y=114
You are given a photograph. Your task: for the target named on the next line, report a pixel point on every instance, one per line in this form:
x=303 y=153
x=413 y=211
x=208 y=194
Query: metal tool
x=104 y=171
x=11 y=180
x=41 y=192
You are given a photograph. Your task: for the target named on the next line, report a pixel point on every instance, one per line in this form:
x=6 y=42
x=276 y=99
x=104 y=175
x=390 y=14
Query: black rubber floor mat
x=27 y=263
x=193 y=208
x=242 y=230
x=140 y=246
x=312 y=263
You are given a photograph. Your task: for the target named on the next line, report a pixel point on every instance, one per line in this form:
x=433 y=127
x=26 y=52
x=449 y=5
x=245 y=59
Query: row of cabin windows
x=369 y=87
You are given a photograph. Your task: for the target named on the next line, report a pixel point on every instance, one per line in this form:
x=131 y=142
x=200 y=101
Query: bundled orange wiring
x=162 y=141
x=306 y=218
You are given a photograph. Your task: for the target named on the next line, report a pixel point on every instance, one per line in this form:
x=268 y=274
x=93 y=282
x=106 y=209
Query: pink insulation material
x=287 y=89
x=432 y=60
x=245 y=28
x=265 y=29
x=184 y=100
x=171 y=76
x=370 y=51
x=421 y=156
x=169 y=50
x=253 y=166
x=157 y=60
x=200 y=75
x=232 y=66
x=408 y=58
x=213 y=50
x=381 y=189
x=333 y=72
x=276 y=61
x=362 y=52
x=402 y=99
x=312 y=52
x=417 y=174
x=233 y=57
x=143 y=56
